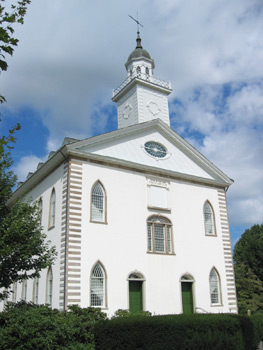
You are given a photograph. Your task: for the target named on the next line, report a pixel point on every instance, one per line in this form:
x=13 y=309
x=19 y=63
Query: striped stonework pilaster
x=64 y=215
x=227 y=248
x=73 y=244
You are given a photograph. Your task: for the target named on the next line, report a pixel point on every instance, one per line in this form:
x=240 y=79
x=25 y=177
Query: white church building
x=138 y=216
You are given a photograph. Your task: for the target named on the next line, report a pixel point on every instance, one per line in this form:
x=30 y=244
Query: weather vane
x=138 y=23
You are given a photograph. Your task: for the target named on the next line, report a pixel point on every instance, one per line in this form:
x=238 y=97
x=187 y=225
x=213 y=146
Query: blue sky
x=71 y=56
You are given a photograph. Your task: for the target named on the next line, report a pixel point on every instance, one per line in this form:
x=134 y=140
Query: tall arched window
x=209 y=219
x=40 y=209
x=49 y=286
x=35 y=290
x=215 y=290
x=52 y=209
x=14 y=292
x=98 y=286
x=159 y=235
x=98 y=203
x=24 y=290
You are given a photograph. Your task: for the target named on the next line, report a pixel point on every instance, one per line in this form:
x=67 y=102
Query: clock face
x=155 y=149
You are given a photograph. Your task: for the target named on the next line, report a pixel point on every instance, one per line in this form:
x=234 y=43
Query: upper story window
x=52 y=209
x=138 y=70
x=209 y=219
x=39 y=205
x=215 y=289
x=97 y=286
x=98 y=203
x=159 y=235
x=155 y=149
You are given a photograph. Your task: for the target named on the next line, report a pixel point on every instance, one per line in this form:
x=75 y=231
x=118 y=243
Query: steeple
x=141 y=97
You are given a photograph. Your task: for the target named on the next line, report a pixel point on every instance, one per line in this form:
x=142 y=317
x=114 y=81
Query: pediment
x=128 y=145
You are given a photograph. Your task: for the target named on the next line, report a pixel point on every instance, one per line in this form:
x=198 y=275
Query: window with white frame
x=209 y=219
x=98 y=203
x=97 y=286
x=49 y=290
x=159 y=231
x=215 y=290
x=35 y=290
x=52 y=209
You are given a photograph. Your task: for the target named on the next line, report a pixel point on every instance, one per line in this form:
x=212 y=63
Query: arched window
x=138 y=70
x=35 y=290
x=14 y=292
x=159 y=235
x=215 y=290
x=209 y=219
x=40 y=209
x=98 y=203
x=147 y=72
x=98 y=286
x=24 y=290
x=49 y=286
x=52 y=209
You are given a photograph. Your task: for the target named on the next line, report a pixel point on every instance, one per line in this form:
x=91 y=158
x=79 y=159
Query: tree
x=23 y=247
x=7 y=21
x=248 y=256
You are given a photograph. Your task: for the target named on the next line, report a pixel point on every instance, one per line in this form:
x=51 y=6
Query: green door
x=135 y=296
x=187 y=298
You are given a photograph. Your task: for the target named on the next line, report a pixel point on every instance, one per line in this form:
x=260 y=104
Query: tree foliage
x=248 y=256
x=23 y=247
x=7 y=21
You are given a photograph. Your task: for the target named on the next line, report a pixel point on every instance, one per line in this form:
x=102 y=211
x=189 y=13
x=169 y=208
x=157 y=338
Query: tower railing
x=144 y=77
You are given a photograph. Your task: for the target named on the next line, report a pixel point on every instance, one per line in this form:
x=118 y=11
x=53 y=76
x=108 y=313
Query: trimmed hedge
x=175 y=332
x=25 y=326
x=257 y=321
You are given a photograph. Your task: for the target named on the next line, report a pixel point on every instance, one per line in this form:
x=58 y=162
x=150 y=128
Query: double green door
x=187 y=297
x=135 y=296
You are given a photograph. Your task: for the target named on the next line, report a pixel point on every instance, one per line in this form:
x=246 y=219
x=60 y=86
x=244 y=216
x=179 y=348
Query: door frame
x=136 y=276
x=187 y=278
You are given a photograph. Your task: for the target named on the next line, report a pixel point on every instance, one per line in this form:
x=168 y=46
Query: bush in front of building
x=128 y=313
x=175 y=332
x=257 y=321
x=26 y=326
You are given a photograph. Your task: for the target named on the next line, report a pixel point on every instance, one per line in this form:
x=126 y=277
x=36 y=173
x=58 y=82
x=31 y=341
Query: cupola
x=141 y=96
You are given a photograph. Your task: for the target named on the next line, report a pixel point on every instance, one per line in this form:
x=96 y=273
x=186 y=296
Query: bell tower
x=142 y=96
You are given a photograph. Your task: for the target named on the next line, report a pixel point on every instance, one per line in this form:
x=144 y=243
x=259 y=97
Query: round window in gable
x=155 y=149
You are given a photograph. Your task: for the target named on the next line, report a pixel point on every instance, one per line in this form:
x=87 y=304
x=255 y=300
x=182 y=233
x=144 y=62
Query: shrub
x=28 y=326
x=257 y=321
x=127 y=313
x=173 y=332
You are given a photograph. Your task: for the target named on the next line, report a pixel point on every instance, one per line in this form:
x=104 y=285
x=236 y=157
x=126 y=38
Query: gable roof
x=99 y=149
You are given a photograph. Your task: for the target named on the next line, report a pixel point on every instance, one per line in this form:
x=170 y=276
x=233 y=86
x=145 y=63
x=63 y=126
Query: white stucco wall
x=121 y=244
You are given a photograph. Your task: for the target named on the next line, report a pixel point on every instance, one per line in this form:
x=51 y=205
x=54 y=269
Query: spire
x=139 y=45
